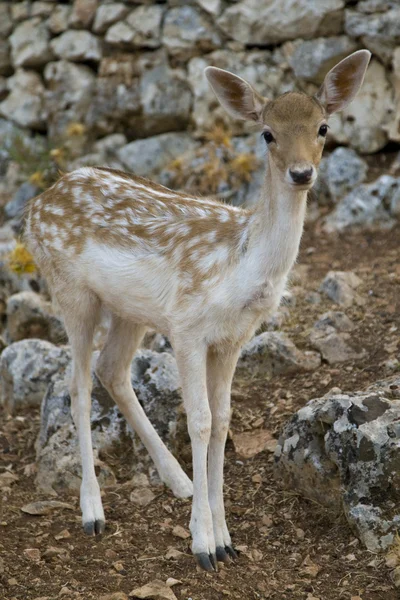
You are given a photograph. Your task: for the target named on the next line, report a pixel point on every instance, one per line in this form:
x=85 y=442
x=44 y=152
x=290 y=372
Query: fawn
x=204 y=273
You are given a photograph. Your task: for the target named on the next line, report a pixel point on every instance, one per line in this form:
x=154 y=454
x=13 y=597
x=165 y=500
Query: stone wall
x=127 y=76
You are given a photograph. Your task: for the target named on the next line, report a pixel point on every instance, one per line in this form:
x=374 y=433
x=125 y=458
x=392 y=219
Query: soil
x=291 y=548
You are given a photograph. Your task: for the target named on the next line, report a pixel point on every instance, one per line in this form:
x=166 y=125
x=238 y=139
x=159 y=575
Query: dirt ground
x=291 y=548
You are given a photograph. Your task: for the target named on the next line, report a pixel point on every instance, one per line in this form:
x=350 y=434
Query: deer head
x=294 y=125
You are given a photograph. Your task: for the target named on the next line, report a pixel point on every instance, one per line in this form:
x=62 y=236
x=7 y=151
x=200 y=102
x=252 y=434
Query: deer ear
x=343 y=82
x=237 y=96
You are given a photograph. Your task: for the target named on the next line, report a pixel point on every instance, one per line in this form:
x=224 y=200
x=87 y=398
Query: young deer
x=205 y=273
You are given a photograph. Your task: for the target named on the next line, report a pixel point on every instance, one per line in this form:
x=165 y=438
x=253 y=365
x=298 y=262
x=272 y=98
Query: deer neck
x=276 y=225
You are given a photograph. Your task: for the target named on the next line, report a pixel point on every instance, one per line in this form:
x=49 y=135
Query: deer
x=203 y=272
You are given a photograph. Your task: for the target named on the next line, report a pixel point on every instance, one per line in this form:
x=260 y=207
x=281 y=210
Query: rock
x=83 y=12
x=15 y=207
x=213 y=7
x=251 y=23
x=143 y=157
x=113 y=103
x=272 y=353
x=41 y=9
x=25 y=103
x=58 y=21
x=262 y=68
x=331 y=338
x=20 y=11
x=393 y=127
x=6 y=25
x=379 y=31
x=141 y=29
x=156 y=589
x=26 y=368
x=108 y=14
x=368 y=207
x=341 y=451
x=187 y=32
x=109 y=144
x=30 y=316
x=77 y=46
x=142 y=496
x=5 y=58
x=156 y=383
x=30 y=44
x=311 y=60
x=69 y=95
x=362 y=124
x=340 y=287
x=166 y=101
x=345 y=170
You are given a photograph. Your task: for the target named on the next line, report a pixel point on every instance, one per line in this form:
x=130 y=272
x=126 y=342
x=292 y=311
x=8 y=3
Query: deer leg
x=220 y=370
x=192 y=369
x=80 y=322
x=114 y=371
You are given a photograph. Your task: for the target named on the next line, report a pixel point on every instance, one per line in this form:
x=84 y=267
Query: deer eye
x=268 y=137
x=323 y=130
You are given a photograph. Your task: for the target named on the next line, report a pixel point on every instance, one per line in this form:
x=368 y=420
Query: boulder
x=108 y=14
x=311 y=60
x=187 y=32
x=82 y=14
x=30 y=44
x=141 y=29
x=368 y=207
x=166 y=100
x=342 y=451
x=345 y=170
x=69 y=95
x=362 y=124
x=41 y=8
x=379 y=31
x=25 y=104
x=330 y=336
x=26 y=368
x=77 y=46
x=275 y=21
x=340 y=287
x=58 y=20
x=273 y=353
x=30 y=316
x=155 y=380
x=147 y=156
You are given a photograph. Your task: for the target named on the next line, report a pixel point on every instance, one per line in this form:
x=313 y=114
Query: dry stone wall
x=135 y=69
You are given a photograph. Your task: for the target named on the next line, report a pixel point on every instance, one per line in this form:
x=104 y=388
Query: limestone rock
x=330 y=336
x=16 y=205
x=108 y=14
x=77 y=46
x=379 y=31
x=345 y=170
x=143 y=157
x=367 y=208
x=69 y=95
x=340 y=287
x=5 y=58
x=393 y=127
x=272 y=353
x=30 y=44
x=166 y=101
x=20 y=11
x=276 y=21
x=83 y=12
x=58 y=20
x=141 y=29
x=30 y=316
x=41 y=9
x=213 y=7
x=24 y=104
x=362 y=124
x=187 y=33
x=311 y=60
x=342 y=451
x=26 y=368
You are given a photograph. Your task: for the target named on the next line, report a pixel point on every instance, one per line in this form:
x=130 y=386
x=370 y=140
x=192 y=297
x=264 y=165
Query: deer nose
x=301 y=177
